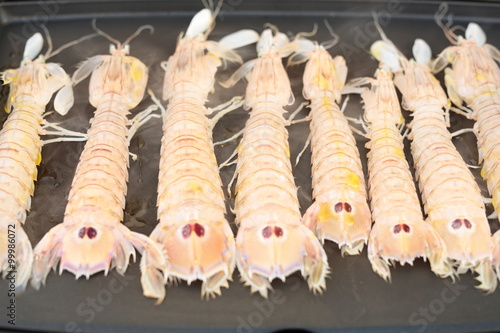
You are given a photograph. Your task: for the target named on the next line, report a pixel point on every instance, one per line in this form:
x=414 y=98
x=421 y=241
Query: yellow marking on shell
x=327 y=100
x=449 y=57
x=193 y=187
x=24 y=197
x=215 y=56
x=353 y=180
x=38 y=158
x=483 y=173
x=401 y=120
x=325 y=213
x=349 y=218
x=321 y=81
x=287 y=151
x=136 y=71
x=399 y=152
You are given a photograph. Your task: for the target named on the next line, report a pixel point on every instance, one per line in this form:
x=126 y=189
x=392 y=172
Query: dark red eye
x=397 y=228
x=186 y=231
x=91 y=232
x=456 y=224
x=406 y=228
x=278 y=231
x=347 y=207
x=81 y=232
x=199 y=230
x=467 y=223
x=267 y=232
x=338 y=207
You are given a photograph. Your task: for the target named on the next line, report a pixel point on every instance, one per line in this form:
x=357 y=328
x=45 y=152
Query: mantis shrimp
x=192 y=227
x=399 y=232
x=271 y=241
x=452 y=199
x=474 y=80
x=340 y=212
x=91 y=237
x=31 y=88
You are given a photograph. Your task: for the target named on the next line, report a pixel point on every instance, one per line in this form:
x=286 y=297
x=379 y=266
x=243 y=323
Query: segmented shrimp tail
x=199 y=250
x=84 y=251
x=405 y=243
x=275 y=250
x=486 y=276
x=340 y=217
x=16 y=254
x=469 y=244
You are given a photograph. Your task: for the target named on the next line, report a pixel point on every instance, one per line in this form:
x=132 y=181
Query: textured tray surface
x=356 y=299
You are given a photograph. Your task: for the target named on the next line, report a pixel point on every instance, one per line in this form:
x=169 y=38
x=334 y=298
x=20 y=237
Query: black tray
x=356 y=298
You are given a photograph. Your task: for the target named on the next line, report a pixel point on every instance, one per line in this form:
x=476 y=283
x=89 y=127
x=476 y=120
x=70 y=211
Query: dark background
x=356 y=299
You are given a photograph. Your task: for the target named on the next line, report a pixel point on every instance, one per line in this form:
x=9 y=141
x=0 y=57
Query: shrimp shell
x=192 y=227
x=340 y=212
x=399 y=232
x=271 y=241
x=451 y=197
x=91 y=237
x=474 y=79
x=31 y=88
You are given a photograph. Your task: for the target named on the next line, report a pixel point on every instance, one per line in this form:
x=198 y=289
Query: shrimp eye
x=456 y=224
x=91 y=232
x=267 y=232
x=402 y=226
x=467 y=224
x=186 y=230
x=342 y=205
x=278 y=231
x=199 y=230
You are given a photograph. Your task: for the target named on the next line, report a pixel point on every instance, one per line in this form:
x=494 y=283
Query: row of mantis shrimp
x=193 y=239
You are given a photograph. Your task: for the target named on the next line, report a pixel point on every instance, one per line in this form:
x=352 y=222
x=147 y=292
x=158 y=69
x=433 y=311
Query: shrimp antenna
x=335 y=38
x=215 y=12
x=209 y=4
x=138 y=31
x=69 y=44
x=105 y=35
x=458 y=27
x=307 y=34
x=447 y=29
x=218 y=8
x=384 y=36
x=49 y=41
x=272 y=27
x=379 y=28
